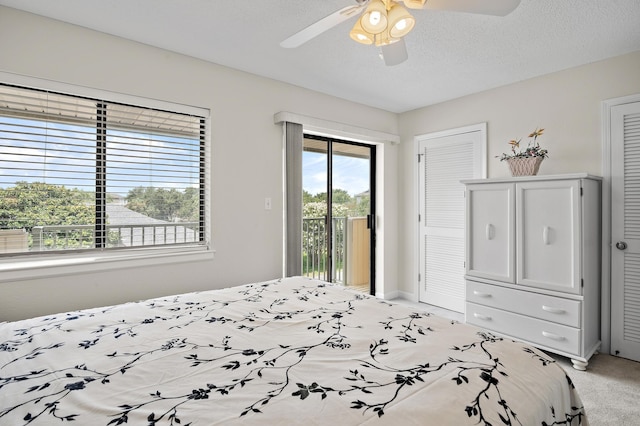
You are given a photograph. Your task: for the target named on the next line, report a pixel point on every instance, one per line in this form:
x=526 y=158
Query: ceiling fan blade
x=322 y=25
x=484 y=7
x=394 y=53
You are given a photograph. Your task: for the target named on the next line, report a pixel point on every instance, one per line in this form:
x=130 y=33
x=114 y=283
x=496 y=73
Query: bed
x=281 y=352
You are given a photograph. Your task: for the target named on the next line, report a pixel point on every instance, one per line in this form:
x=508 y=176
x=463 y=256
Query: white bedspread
x=292 y=351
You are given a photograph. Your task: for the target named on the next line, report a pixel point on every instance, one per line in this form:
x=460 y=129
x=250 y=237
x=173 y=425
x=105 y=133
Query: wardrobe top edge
x=534 y=178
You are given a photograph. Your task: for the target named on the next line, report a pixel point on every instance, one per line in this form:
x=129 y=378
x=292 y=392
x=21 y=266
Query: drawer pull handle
x=481 y=294
x=545 y=235
x=482 y=317
x=489 y=230
x=553 y=310
x=553 y=336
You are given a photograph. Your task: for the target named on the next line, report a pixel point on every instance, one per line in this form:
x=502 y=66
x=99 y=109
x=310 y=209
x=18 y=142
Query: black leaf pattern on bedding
x=217 y=347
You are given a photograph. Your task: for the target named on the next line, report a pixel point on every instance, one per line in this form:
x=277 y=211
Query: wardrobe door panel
x=548 y=235
x=490 y=232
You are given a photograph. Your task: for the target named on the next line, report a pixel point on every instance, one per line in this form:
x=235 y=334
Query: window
x=83 y=175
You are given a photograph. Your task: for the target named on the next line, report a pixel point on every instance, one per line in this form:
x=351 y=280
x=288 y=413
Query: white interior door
x=445 y=159
x=625 y=230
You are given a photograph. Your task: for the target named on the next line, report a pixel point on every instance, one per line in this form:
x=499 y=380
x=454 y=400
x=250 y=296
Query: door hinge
x=419 y=217
x=581 y=191
x=420 y=157
x=419 y=277
x=582 y=282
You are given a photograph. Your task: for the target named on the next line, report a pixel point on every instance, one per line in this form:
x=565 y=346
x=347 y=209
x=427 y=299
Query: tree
x=165 y=204
x=340 y=196
x=343 y=204
x=316 y=210
x=320 y=197
x=359 y=206
x=26 y=205
x=307 y=197
x=190 y=209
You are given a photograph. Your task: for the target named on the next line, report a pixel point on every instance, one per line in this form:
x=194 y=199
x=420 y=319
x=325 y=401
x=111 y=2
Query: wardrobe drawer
x=536 y=331
x=542 y=306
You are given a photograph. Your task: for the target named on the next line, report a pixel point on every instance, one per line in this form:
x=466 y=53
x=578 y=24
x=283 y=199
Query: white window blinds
x=80 y=174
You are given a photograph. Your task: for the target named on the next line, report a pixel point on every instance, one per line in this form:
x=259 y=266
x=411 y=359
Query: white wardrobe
x=533 y=261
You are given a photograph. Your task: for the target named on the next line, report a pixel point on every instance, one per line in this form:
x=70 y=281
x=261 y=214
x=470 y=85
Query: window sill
x=52 y=266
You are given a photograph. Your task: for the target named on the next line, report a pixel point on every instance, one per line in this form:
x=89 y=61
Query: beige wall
x=247 y=150
x=246 y=157
x=566 y=104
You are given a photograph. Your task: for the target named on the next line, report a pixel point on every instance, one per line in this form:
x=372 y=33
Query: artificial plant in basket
x=525 y=162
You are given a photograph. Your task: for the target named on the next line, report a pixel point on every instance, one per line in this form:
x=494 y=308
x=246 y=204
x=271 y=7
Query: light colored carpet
x=610 y=389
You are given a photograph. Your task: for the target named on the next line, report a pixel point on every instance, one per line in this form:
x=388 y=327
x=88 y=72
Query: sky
x=46 y=158
x=65 y=154
x=349 y=173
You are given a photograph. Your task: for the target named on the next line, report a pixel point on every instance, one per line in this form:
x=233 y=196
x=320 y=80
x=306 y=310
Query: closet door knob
x=621 y=245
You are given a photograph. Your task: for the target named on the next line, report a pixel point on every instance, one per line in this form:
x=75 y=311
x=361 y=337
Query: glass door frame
x=371 y=222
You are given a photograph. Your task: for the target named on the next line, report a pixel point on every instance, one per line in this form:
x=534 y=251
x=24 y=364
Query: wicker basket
x=525 y=166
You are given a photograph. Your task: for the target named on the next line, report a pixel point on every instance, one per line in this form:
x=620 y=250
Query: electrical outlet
x=267 y=203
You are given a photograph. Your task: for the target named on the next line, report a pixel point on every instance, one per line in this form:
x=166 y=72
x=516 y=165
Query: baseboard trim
x=405 y=295
x=387 y=296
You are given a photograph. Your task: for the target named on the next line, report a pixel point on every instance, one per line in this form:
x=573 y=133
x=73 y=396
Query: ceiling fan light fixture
x=395 y=53
x=358 y=34
x=384 y=39
x=374 y=18
x=415 y=4
x=400 y=21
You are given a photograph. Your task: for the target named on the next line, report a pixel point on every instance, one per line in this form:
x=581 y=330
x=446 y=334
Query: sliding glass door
x=338 y=226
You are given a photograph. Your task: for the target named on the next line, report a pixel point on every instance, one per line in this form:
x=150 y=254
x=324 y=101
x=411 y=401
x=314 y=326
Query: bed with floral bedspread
x=282 y=352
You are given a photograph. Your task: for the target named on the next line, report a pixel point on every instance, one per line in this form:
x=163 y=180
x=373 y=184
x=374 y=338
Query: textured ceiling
x=450 y=54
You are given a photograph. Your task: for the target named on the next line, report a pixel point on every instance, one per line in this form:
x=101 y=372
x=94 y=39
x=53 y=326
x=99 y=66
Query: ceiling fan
x=385 y=22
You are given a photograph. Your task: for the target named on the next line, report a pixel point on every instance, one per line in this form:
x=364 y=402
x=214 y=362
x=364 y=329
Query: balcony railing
x=315 y=248
x=63 y=237
x=350 y=250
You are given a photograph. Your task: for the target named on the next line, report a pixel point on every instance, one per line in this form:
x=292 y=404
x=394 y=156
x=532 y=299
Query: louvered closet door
x=444 y=162
x=625 y=231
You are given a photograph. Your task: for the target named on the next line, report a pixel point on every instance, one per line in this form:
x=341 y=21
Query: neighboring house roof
x=136 y=229
x=120 y=215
